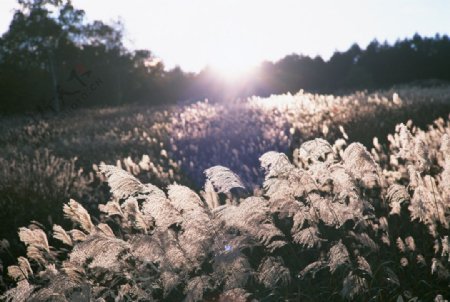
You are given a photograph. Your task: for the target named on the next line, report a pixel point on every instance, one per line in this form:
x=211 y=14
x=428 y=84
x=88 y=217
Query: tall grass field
x=303 y=197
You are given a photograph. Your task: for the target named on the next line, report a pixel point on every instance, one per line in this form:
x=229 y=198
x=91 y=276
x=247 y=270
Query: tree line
x=52 y=59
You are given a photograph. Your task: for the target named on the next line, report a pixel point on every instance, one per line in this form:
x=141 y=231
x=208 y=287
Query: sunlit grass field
x=46 y=160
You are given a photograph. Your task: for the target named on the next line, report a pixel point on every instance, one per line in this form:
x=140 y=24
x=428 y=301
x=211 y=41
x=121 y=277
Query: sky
x=233 y=35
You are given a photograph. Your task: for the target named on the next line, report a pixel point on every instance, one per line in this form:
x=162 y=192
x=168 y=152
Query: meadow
x=293 y=197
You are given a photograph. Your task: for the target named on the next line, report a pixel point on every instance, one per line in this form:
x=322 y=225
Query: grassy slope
x=195 y=137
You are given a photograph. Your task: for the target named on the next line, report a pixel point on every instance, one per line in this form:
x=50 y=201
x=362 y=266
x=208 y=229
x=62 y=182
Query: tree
x=35 y=44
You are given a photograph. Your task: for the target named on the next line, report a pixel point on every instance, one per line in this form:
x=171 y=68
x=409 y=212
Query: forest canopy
x=52 y=59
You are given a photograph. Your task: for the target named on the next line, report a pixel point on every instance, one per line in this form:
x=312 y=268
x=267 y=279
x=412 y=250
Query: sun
x=232 y=64
x=231 y=70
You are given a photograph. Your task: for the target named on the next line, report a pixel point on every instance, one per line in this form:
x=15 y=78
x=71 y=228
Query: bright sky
x=236 y=34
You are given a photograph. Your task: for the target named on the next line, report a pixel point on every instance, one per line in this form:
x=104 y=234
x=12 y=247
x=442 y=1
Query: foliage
x=354 y=225
x=49 y=159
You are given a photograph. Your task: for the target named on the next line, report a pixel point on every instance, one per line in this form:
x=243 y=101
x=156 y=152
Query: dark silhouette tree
x=52 y=60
